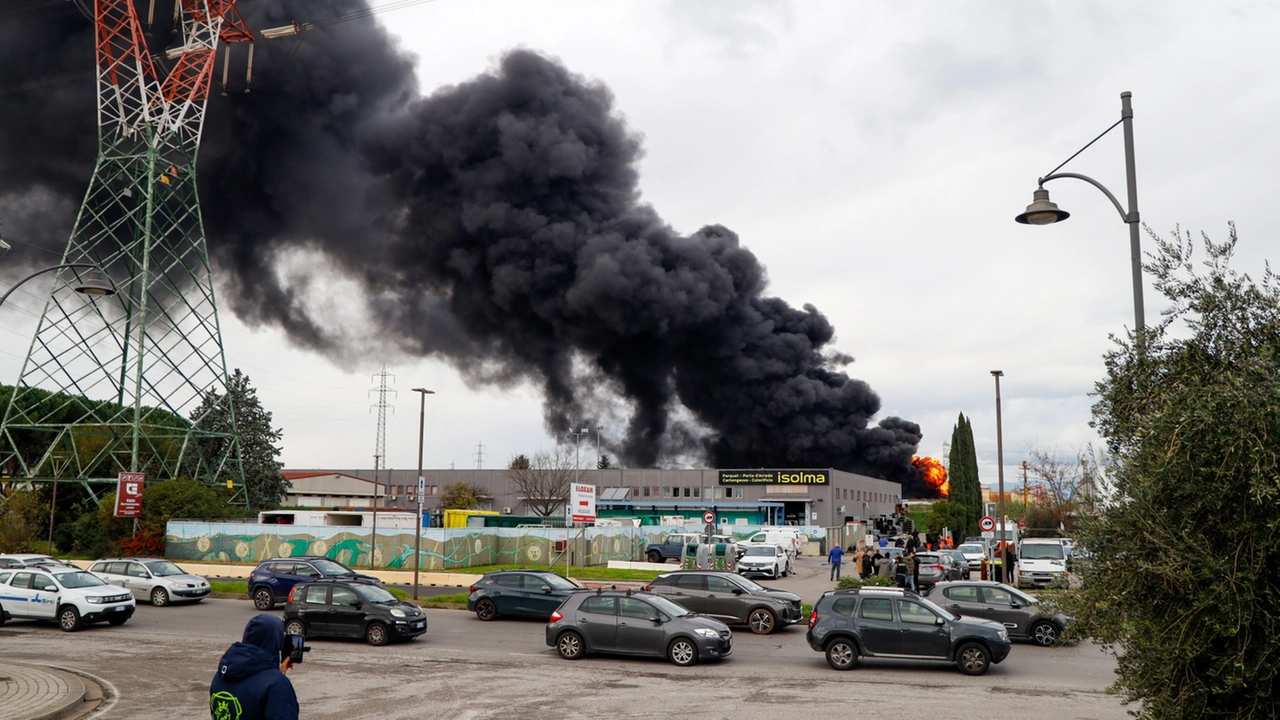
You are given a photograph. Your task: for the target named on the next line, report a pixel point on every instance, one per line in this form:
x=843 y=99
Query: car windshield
x=765 y=550
x=667 y=606
x=1042 y=551
x=164 y=568
x=970 y=549
x=556 y=582
x=329 y=567
x=1025 y=598
x=748 y=585
x=373 y=593
x=944 y=613
x=78 y=579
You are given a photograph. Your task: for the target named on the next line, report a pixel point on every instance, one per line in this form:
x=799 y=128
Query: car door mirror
x=356 y=604
x=1015 y=604
x=939 y=621
x=738 y=591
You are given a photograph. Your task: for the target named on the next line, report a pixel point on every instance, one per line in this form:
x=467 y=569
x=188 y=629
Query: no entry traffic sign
x=709 y=517
x=987 y=523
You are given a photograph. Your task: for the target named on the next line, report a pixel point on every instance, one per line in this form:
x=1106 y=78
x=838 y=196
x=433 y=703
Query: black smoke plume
x=497 y=224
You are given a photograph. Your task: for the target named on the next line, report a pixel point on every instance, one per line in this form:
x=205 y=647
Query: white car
x=154 y=579
x=770 y=560
x=18 y=560
x=973 y=553
x=69 y=596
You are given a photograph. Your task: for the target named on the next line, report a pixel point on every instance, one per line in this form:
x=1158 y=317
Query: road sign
x=129 y=494
x=583 y=500
x=709 y=517
x=987 y=524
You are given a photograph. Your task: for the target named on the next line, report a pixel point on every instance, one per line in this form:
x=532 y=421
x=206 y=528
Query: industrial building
x=820 y=497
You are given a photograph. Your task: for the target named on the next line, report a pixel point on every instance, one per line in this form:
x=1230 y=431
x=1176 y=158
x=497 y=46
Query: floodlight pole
x=1000 y=522
x=417 y=535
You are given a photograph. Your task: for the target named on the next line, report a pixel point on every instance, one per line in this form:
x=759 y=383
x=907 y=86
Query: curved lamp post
x=1042 y=211
x=94 y=283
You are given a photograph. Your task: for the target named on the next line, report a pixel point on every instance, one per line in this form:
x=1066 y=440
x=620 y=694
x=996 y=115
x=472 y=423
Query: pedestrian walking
x=835 y=557
x=913 y=571
x=900 y=571
x=884 y=565
x=868 y=564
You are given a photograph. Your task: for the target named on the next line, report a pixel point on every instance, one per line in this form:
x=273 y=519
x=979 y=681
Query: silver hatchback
x=154 y=579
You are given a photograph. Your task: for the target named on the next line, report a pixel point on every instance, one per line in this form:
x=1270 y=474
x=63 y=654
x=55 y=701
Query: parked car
x=154 y=579
x=768 y=560
x=635 y=623
x=868 y=622
x=1041 y=562
x=730 y=598
x=789 y=540
x=973 y=553
x=69 y=596
x=671 y=548
x=937 y=566
x=1021 y=614
x=519 y=593
x=18 y=560
x=961 y=560
x=337 y=608
x=271 y=581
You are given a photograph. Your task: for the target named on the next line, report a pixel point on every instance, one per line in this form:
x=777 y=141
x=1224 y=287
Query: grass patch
x=591 y=572
x=230 y=587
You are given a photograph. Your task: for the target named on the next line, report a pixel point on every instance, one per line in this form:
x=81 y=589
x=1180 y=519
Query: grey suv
x=730 y=598
x=892 y=623
x=1022 y=615
x=635 y=623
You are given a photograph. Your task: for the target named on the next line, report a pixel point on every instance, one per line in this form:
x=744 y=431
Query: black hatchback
x=519 y=593
x=351 y=609
x=272 y=580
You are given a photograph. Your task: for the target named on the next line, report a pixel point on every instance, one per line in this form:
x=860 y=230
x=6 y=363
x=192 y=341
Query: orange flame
x=935 y=475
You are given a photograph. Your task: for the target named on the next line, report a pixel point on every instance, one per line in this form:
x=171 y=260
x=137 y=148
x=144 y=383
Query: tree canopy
x=962 y=470
x=259 y=441
x=1182 y=578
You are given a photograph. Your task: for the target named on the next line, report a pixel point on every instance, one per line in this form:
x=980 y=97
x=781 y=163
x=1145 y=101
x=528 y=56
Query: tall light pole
x=1000 y=528
x=1042 y=211
x=598 y=455
x=422 y=485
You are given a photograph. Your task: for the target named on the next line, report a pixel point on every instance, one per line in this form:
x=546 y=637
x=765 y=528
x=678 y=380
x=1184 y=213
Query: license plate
x=419 y=624
x=118 y=608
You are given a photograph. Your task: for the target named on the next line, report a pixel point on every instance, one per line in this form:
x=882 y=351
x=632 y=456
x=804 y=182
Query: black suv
x=730 y=598
x=271 y=581
x=889 y=622
x=351 y=609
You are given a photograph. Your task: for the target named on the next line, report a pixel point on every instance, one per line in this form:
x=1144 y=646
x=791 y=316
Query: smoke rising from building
x=496 y=224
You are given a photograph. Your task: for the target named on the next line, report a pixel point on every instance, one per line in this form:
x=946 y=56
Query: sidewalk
x=34 y=693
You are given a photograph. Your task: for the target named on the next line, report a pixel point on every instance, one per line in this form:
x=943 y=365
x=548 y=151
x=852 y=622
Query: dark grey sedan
x=730 y=598
x=1021 y=614
x=626 y=622
x=938 y=567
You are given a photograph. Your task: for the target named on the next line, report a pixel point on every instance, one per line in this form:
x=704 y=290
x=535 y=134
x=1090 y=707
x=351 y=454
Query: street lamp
x=93 y=283
x=422 y=485
x=1000 y=528
x=1043 y=211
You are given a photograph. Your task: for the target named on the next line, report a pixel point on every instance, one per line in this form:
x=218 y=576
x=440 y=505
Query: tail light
x=292 y=590
x=472 y=589
x=813 y=618
x=556 y=617
x=939 y=568
x=647 y=588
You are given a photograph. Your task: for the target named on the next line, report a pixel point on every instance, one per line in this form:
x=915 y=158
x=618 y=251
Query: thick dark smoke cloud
x=496 y=224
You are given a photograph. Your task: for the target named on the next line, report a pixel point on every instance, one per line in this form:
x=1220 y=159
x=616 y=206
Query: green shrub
x=873 y=581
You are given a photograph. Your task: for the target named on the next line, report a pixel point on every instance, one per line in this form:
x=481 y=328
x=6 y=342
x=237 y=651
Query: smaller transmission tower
x=379 y=450
x=480 y=455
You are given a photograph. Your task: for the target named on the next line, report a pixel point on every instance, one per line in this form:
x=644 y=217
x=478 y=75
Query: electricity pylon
x=111 y=383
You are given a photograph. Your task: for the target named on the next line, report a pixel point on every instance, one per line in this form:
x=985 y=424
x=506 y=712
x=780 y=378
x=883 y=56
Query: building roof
x=303 y=474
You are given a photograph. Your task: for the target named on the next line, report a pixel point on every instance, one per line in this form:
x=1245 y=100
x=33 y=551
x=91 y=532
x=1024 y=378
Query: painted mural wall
x=442 y=548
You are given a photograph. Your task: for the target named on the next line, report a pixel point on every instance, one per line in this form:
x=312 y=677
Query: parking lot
x=160 y=663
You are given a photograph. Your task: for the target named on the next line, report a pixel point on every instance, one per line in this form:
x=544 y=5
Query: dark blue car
x=271 y=581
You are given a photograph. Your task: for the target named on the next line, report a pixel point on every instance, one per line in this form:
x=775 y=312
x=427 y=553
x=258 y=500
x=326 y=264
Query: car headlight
x=397 y=612
x=96 y=600
x=1004 y=635
x=707 y=633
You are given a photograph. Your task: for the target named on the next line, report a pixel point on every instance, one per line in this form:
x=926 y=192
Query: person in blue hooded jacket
x=250 y=683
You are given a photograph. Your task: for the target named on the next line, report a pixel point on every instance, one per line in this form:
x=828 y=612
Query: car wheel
x=656 y=557
x=569 y=645
x=842 y=654
x=376 y=634
x=486 y=610
x=682 y=652
x=295 y=627
x=1044 y=633
x=159 y=597
x=761 y=621
x=263 y=599
x=1 y=615
x=69 y=618
x=117 y=621
x=973 y=659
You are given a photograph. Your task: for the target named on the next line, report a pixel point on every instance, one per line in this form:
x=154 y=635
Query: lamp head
x=424 y=391
x=997 y=373
x=1042 y=211
x=94 y=284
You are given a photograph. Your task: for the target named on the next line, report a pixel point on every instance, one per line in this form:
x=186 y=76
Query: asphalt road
x=160 y=664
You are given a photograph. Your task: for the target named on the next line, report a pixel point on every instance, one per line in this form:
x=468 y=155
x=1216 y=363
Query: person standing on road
x=911 y=570
x=884 y=565
x=250 y=683
x=869 y=564
x=858 y=557
x=835 y=557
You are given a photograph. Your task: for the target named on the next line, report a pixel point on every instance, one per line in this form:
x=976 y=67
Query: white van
x=1041 y=562
x=788 y=540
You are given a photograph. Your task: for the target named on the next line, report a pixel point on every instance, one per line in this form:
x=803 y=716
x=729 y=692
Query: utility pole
x=1000 y=521
x=1024 y=492
x=598 y=455
x=379 y=451
x=422 y=485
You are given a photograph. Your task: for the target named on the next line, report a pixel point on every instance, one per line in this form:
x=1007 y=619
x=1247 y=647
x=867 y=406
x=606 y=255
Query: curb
x=63 y=693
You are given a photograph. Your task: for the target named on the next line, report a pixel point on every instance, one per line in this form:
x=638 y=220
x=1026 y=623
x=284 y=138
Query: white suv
x=154 y=579
x=70 y=596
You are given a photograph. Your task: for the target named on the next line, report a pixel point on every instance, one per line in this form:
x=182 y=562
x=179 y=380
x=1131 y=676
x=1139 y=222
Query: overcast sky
x=873 y=156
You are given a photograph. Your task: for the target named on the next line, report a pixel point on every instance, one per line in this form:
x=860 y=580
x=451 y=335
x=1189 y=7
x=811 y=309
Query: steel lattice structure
x=136 y=381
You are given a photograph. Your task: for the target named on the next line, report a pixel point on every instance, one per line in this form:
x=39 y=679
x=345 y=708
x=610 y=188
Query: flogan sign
x=775 y=477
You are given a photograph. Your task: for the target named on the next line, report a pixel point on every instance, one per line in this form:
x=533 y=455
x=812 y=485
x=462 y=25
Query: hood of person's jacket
x=259 y=649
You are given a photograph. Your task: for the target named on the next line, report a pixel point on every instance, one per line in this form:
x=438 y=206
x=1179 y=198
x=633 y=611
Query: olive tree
x=1181 y=584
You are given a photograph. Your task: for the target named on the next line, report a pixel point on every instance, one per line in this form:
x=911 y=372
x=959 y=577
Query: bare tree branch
x=543 y=482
